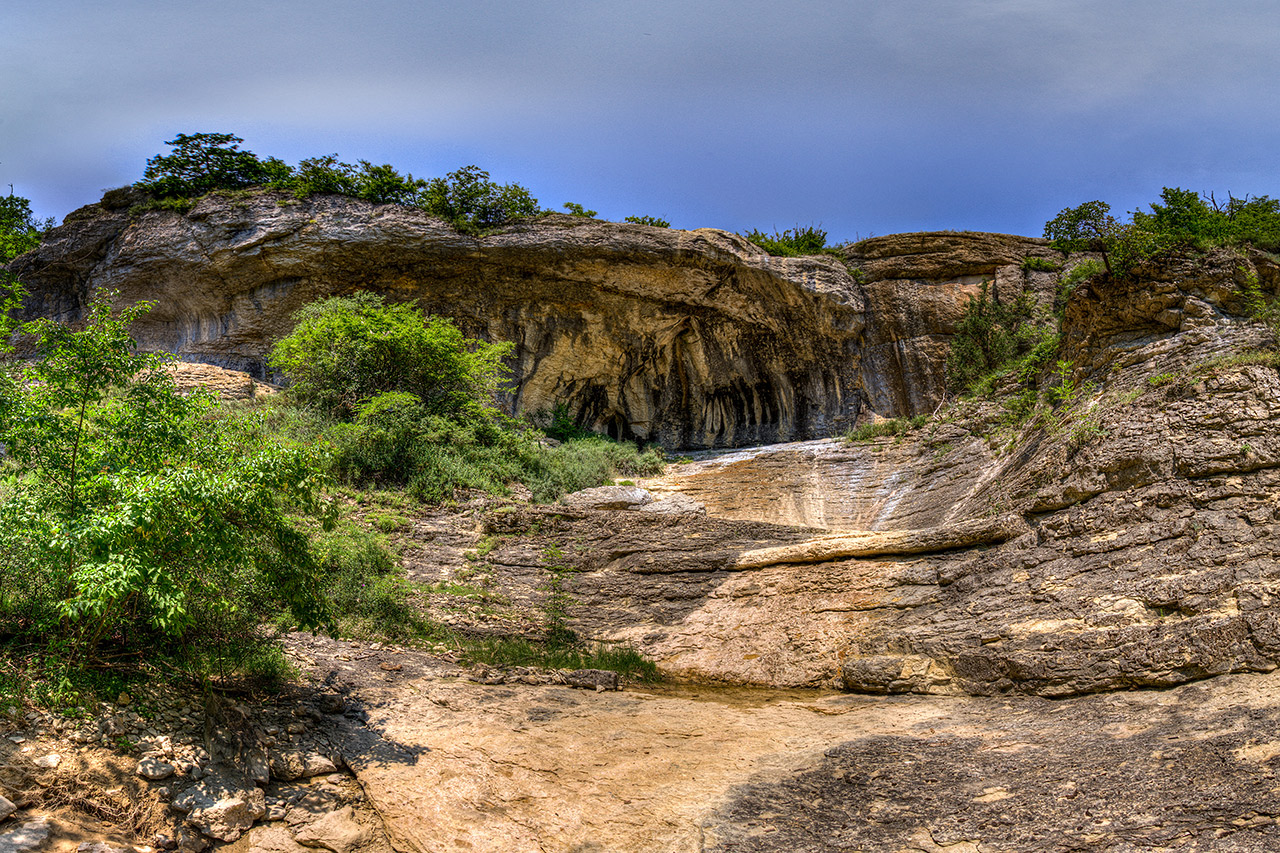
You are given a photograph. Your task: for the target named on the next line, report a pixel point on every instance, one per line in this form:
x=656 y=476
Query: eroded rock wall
x=687 y=338
x=1128 y=538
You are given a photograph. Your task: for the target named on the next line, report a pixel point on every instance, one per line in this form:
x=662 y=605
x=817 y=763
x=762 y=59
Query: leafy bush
x=586 y=462
x=992 y=337
x=791 y=243
x=128 y=518
x=410 y=403
x=1181 y=219
x=19 y=229
x=472 y=202
x=346 y=350
x=1039 y=265
x=576 y=209
x=201 y=163
x=655 y=221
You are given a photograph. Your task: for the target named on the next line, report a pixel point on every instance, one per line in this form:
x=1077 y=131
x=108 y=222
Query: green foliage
x=1087 y=227
x=207 y=162
x=410 y=403
x=576 y=209
x=889 y=426
x=1072 y=279
x=128 y=518
x=791 y=243
x=1032 y=264
x=345 y=351
x=655 y=221
x=1063 y=389
x=19 y=229
x=1181 y=219
x=365 y=585
x=472 y=202
x=520 y=651
x=993 y=337
x=200 y=163
x=586 y=462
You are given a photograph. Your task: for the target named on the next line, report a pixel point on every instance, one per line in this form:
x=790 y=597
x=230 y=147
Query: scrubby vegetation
x=656 y=222
x=794 y=242
x=141 y=524
x=201 y=163
x=994 y=338
x=1181 y=220
x=888 y=427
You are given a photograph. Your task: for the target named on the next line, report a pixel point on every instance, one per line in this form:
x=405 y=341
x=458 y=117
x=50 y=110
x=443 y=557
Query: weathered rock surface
x=689 y=338
x=23 y=839
x=454 y=766
x=1125 y=539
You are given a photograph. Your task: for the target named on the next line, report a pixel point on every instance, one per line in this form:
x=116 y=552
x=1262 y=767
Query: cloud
x=910 y=114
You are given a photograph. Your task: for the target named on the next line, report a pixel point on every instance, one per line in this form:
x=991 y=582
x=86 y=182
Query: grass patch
x=1039 y=265
x=883 y=429
x=521 y=651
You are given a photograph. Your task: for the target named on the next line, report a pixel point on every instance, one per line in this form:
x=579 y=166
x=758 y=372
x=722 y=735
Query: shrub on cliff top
x=1181 y=219
x=201 y=163
x=791 y=243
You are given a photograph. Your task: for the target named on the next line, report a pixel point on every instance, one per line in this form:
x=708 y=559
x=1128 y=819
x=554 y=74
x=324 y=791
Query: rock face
x=688 y=338
x=1127 y=538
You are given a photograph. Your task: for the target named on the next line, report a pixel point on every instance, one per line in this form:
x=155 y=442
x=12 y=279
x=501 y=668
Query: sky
x=857 y=117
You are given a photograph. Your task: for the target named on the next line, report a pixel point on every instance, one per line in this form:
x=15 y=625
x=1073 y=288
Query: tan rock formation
x=688 y=338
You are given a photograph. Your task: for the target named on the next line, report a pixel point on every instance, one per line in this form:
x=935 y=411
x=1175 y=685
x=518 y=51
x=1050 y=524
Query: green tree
x=472 y=202
x=202 y=162
x=576 y=209
x=655 y=221
x=19 y=229
x=345 y=350
x=127 y=516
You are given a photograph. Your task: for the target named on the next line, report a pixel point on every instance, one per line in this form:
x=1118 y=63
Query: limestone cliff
x=688 y=338
x=1125 y=538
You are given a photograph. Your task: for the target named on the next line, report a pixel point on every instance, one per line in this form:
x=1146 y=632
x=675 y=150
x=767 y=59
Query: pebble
x=6 y=808
x=48 y=762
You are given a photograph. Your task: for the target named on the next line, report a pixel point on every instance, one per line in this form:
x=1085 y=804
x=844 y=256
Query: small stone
x=270 y=839
x=48 y=762
x=30 y=836
x=97 y=847
x=190 y=841
x=153 y=769
x=608 y=497
x=227 y=819
x=390 y=667
x=592 y=679
x=6 y=808
x=336 y=831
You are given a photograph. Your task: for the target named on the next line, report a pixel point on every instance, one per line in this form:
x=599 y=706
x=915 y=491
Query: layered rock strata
x=687 y=338
x=1126 y=538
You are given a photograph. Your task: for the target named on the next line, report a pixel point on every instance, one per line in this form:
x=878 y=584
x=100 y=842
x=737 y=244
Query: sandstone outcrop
x=687 y=338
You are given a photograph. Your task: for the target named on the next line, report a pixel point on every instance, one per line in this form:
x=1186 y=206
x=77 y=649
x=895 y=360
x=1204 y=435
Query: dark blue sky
x=865 y=117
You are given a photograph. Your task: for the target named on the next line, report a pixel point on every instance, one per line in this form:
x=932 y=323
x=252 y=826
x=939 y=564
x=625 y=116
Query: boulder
x=336 y=831
x=608 y=497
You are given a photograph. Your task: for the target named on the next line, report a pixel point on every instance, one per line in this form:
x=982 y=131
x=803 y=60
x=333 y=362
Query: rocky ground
x=1005 y=630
